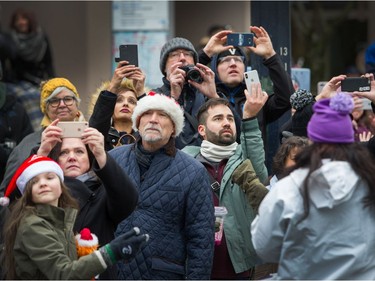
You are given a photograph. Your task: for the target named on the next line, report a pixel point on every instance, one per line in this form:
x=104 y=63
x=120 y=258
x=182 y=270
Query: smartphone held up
x=73 y=129
x=240 y=39
x=128 y=53
x=251 y=77
x=356 y=84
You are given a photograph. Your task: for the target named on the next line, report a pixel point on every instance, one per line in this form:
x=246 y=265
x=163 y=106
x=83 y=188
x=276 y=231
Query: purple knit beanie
x=331 y=122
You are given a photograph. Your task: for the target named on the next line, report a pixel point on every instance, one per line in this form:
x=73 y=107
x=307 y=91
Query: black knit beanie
x=174 y=44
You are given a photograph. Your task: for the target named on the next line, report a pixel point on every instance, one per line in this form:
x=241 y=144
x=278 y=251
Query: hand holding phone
x=240 y=39
x=250 y=78
x=128 y=53
x=72 y=129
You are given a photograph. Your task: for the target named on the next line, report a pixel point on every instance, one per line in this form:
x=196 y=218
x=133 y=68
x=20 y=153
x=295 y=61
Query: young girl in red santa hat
x=38 y=237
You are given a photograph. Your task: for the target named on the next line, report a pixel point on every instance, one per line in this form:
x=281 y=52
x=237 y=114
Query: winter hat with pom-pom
x=331 y=122
x=31 y=167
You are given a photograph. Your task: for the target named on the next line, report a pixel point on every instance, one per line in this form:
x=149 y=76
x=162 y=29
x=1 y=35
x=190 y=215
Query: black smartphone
x=129 y=53
x=240 y=39
x=356 y=84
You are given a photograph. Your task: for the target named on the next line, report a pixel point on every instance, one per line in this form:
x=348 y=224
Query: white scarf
x=216 y=153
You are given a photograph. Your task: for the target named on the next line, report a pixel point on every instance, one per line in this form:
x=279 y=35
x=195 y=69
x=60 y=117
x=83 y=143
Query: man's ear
x=202 y=131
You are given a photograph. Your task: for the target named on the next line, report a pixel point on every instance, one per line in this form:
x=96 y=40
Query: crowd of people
x=149 y=171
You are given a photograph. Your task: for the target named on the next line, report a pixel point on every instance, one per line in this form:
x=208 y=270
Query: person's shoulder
x=189 y=160
x=28 y=143
x=191 y=150
x=30 y=219
x=120 y=151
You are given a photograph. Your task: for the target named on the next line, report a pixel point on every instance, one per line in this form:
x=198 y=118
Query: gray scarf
x=216 y=153
x=31 y=47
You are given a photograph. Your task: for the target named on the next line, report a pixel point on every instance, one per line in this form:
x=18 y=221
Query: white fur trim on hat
x=87 y=243
x=36 y=169
x=155 y=101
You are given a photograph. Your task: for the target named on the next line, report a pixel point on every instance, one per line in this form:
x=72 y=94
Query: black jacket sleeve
x=278 y=102
x=102 y=114
x=203 y=58
x=122 y=195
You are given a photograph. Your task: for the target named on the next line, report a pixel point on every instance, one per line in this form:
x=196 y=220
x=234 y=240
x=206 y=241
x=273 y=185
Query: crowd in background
x=150 y=169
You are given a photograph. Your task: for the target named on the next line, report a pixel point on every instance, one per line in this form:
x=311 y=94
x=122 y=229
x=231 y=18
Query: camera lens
x=194 y=75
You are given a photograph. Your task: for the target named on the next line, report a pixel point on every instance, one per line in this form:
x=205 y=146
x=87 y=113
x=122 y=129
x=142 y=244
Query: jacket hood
x=330 y=185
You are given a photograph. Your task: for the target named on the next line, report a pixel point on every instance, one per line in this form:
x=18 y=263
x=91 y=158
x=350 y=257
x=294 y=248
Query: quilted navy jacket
x=175 y=208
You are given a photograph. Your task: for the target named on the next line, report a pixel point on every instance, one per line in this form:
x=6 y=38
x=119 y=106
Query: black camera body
x=192 y=73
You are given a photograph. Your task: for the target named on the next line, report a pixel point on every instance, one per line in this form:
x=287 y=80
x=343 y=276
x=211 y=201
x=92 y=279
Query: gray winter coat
x=335 y=241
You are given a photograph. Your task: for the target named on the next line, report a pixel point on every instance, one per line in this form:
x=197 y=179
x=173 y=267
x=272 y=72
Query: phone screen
x=129 y=53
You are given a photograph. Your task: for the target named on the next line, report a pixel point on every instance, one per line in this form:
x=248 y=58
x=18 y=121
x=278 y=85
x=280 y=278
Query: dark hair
x=203 y=110
x=357 y=155
x=18 y=210
x=25 y=14
x=278 y=164
x=55 y=153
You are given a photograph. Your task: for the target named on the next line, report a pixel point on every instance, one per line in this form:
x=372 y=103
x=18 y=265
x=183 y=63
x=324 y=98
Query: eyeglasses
x=68 y=100
x=177 y=54
x=228 y=59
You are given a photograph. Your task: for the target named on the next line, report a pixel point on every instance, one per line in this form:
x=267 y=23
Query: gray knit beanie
x=174 y=44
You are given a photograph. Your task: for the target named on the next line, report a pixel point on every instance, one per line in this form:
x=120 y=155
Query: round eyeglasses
x=68 y=100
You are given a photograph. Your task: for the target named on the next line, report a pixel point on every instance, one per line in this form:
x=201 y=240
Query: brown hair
x=278 y=164
x=25 y=14
x=18 y=210
x=203 y=110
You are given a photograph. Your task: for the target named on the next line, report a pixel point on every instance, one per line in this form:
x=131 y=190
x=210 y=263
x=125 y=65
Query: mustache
x=153 y=127
x=226 y=130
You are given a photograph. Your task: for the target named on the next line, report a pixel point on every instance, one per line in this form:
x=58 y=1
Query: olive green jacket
x=237 y=222
x=45 y=247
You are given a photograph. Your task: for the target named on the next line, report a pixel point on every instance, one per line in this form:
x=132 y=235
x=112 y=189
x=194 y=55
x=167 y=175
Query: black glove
x=123 y=247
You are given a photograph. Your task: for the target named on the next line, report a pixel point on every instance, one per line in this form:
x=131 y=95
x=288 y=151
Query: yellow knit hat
x=49 y=86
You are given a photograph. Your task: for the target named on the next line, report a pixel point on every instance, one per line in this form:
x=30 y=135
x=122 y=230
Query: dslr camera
x=192 y=73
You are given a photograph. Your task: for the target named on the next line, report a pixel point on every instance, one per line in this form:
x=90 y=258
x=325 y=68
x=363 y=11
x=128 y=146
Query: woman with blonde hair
x=115 y=103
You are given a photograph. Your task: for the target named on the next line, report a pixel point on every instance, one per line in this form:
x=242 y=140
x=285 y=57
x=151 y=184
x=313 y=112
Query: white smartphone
x=320 y=86
x=72 y=129
x=251 y=77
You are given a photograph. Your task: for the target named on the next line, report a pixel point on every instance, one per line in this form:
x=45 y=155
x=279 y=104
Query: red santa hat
x=31 y=167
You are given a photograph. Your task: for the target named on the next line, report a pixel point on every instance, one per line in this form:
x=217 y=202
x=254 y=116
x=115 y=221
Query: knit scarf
x=216 y=153
x=31 y=47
